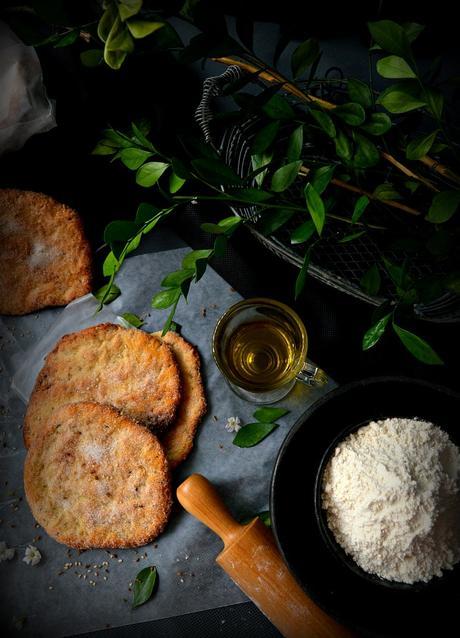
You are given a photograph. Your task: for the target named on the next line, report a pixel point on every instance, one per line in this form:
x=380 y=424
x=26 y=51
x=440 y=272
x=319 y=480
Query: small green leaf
x=360 y=206
x=191 y=258
x=418 y=347
x=443 y=206
x=213 y=229
x=258 y=162
x=128 y=8
x=109 y=291
x=133 y=158
x=278 y=108
x=143 y=585
x=401 y=98
x=176 y=278
x=220 y=246
x=133 y=319
x=394 y=68
x=301 y=279
x=149 y=174
x=67 y=39
x=303 y=232
x=273 y=220
x=269 y=415
x=142 y=28
x=295 y=144
x=253 y=433
x=175 y=183
x=215 y=172
x=230 y=224
x=92 y=57
x=359 y=92
x=120 y=230
x=435 y=102
x=303 y=57
x=351 y=113
x=139 y=134
x=390 y=36
x=325 y=122
x=385 y=191
x=343 y=146
x=420 y=146
x=373 y=335
x=285 y=176
x=106 y=22
x=110 y=265
x=264 y=517
x=145 y=212
x=119 y=140
x=250 y=195
x=265 y=137
x=321 y=178
x=102 y=148
x=351 y=237
x=315 y=207
x=377 y=124
x=166 y=298
x=366 y=154
x=412 y=30
x=371 y=281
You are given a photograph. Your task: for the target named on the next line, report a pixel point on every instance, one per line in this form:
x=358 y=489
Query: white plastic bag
x=25 y=109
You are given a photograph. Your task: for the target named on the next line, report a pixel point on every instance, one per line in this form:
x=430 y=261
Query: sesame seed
x=51 y=587
x=105 y=577
x=120 y=560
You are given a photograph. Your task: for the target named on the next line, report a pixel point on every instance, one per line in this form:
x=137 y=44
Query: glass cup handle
x=312 y=375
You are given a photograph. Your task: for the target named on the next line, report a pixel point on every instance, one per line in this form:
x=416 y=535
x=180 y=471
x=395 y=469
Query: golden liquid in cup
x=262 y=355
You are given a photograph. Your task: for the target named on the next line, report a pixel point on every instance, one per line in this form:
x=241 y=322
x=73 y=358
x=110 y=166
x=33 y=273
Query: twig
x=355 y=189
x=270 y=75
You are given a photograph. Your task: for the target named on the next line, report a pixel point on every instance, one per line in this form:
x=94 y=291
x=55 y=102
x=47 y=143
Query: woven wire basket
x=338 y=265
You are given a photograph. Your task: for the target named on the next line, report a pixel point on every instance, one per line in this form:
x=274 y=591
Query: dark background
x=59 y=163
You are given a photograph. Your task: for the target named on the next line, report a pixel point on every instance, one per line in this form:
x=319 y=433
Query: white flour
x=392 y=499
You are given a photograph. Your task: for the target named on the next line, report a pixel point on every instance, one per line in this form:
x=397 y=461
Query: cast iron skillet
x=369 y=605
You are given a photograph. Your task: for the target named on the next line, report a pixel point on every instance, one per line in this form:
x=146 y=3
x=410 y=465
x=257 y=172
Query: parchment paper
x=55 y=599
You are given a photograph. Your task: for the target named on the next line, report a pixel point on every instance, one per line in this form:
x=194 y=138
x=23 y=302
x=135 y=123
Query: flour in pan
x=392 y=499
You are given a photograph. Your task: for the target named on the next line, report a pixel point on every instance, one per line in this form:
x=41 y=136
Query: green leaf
x=220 y=246
x=253 y=433
x=128 y=8
x=377 y=124
x=142 y=28
x=295 y=144
x=92 y=57
x=420 y=146
x=265 y=137
x=443 y=206
x=315 y=207
x=360 y=206
x=273 y=220
x=177 y=278
x=398 y=275
x=394 y=68
x=139 y=134
x=351 y=237
x=301 y=279
x=250 y=195
x=109 y=291
x=145 y=212
x=401 y=98
x=175 y=183
x=303 y=57
x=169 y=323
x=351 y=113
x=230 y=224
x=149 y=174
x=133 y=158
x=322 y=177
x=120 y=230
x=110 y=265
x=106 y=22
x=278 y=108
x=303 y=232
x=325 y=122
x=418 y=347
x=390 y=36
x=359 y=92
x=103 y=149
x=258 y=162
x=213 y=229
x=133 y=319
x=215 y=172
x=67 y=39
x=412 y=30
x=366 y=154
x=117 y=139
x=191 y=258
x=264 y=517
x=269 y=415
x=143 y=585
x=285 y=176
x=375 y=332
x=435 y=102
x=343 y=146
x=165 y=298
x=371 y=281
x=385 y=191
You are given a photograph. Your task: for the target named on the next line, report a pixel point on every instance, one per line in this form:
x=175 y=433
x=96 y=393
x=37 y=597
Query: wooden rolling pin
x=252 y=560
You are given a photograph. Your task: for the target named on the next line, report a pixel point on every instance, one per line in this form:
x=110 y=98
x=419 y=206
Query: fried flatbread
x=178 y=440
x=45 y=257
x=126 y=368
x=98 y=479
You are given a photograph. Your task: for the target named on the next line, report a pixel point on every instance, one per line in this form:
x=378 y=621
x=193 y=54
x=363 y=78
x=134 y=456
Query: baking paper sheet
x=56 y=598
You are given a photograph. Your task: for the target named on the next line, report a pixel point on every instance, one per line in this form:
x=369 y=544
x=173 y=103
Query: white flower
x=32 y=555
x=6 y=553
x=233 y=424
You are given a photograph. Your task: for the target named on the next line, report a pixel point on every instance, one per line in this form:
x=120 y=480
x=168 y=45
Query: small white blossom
x=233 y=424
x=6 y=553
x=32 y=555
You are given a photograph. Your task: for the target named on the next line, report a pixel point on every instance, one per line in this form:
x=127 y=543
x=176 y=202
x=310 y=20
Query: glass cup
x=260 y=347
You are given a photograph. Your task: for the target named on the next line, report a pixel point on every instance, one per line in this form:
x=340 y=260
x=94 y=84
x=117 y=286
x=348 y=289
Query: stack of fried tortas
x=112 y=412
